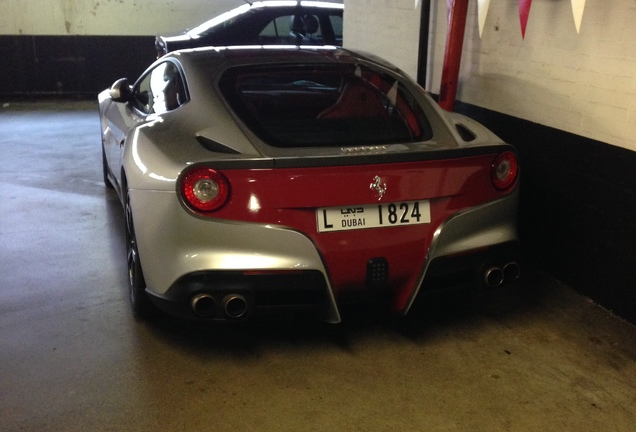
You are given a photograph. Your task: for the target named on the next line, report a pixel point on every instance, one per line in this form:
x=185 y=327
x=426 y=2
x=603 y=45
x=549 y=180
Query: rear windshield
x=333 y=105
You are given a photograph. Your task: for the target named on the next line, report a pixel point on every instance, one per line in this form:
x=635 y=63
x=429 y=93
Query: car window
x=336 y=25
x=276 y=32
x=303 y=29
x=161 y=90
x=307 y=106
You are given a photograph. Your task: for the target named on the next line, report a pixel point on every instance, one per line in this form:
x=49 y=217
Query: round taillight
x=504 y=170
x=204 y=189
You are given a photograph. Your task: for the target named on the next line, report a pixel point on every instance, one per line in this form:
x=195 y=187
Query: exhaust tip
x=234 y=306
x=203 y=305
x=511 y=271
x=493 y=277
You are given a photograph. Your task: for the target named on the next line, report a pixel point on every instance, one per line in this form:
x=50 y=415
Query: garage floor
x=535 y=357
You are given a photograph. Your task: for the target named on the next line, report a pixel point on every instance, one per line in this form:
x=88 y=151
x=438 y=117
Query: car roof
x=253 y=6
x=270 y=54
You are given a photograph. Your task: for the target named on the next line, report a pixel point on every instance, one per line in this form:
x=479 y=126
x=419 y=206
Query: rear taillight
x=204 y=189
x=504 y=170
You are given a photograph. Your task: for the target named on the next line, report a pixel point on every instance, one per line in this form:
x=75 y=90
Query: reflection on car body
x=273 y=178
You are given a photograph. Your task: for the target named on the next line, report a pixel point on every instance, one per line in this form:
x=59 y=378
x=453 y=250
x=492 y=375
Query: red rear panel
x=291 y=196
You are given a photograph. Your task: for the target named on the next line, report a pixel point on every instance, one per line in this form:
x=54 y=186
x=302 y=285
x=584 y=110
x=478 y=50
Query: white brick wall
x=387 y=28
x=581 y=83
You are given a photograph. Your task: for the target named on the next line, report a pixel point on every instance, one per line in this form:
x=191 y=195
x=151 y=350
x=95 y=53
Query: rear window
x=333 y=105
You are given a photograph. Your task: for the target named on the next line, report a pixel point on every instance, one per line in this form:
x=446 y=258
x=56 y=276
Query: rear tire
x=141 y=305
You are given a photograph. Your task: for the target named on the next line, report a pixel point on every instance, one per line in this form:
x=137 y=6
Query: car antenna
x=248 y=2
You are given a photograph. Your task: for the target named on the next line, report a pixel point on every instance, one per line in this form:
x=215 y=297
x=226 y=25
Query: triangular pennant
x=482 y=11
x=524 y=11
x=577 y=10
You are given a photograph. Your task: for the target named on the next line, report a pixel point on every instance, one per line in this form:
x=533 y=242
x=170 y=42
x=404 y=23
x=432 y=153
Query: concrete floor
x=536 y=357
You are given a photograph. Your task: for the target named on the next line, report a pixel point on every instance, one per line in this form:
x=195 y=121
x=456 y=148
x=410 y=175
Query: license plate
x=373 y=216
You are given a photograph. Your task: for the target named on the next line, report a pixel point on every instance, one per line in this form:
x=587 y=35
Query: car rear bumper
x=236 y=295
x=489 y=267
x=195 y=266
x=183 y=256
x=470 y=243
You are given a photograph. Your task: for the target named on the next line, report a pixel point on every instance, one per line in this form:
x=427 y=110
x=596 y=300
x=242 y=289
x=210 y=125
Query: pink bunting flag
x=577 y=9
x=524 y=11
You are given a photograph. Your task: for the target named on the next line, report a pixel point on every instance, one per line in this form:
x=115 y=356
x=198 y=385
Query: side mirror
x=121 y=91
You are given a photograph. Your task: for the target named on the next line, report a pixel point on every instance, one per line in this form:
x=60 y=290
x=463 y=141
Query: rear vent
x=377 y=272
x=465 y=133
x=214 y=146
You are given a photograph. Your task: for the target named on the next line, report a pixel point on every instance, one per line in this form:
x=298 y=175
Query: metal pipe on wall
x=453 y=54
x=425 y=25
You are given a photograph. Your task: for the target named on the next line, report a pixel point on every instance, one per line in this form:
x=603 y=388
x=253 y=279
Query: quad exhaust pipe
x=203 y=305
x=496 y=276
x=233 y=306
x=511 y=271
x=493 y=277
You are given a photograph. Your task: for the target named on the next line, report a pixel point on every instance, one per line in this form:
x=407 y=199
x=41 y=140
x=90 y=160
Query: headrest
x=297 y=24
x=310 y=23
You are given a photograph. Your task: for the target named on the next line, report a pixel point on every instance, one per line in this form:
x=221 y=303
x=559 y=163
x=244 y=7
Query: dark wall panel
x=70 y=65
x=578 y=208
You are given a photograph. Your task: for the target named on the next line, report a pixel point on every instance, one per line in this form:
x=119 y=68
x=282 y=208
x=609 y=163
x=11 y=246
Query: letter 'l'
x=324 y=218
